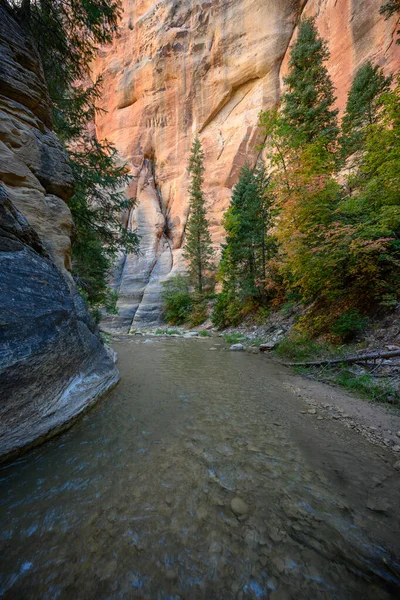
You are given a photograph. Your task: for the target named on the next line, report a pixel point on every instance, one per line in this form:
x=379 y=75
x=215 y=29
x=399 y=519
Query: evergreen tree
x=303 y=136
x=198 y=249
x=246 y=223
x=307 y=105
x=247 y=248
x=67 y=35
x=362 y=107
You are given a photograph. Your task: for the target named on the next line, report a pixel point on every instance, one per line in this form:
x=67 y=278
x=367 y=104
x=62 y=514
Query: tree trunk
x=348 y=359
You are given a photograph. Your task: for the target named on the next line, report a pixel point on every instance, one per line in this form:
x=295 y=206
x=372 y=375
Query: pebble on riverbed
x=239 y=507
x=237 y=347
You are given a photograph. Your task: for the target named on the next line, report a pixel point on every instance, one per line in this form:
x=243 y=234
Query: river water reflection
x=185 y=482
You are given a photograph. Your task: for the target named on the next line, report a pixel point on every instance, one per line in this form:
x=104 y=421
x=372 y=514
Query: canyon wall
x=53 y=364
x=186 y=66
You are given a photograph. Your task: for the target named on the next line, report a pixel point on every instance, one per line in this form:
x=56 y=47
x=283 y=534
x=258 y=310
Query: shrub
x=262 y=315
x=350 y=324
x=177 y=300
x=234 y=338
x=198 y=312
x=367 y=386
x=300 y=346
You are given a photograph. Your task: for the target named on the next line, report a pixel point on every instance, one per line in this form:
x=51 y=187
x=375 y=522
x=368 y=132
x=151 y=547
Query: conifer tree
x=307 y=105
x=362 y=106
x=198 y=249
x=67 y=35
x=248 y=246
x=246 y=223
x=304 y=138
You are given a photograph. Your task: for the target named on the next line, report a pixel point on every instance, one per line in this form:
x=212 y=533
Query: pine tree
x=307 y=105
x=67 y=35
x=303 y=136
x=362 y=106
x=246 y=223
x=247 y=248
x=198 y=249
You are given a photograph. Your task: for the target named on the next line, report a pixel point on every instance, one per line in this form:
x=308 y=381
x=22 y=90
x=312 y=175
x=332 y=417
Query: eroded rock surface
x=181 y=67
x=53 y=364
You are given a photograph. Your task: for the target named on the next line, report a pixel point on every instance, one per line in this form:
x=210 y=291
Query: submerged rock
x=237 y=347
x=239 y=507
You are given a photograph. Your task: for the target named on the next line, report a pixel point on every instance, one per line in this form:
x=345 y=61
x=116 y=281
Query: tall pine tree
x=247 y=248
x=304 y=153
x=307 y=105
x=198 y=249
x=362 y=107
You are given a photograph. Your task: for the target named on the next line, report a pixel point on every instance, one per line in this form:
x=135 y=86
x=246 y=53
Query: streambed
x=199 y=477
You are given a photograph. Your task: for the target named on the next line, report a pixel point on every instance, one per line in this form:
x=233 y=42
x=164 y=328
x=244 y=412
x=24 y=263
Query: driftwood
x=349 y=359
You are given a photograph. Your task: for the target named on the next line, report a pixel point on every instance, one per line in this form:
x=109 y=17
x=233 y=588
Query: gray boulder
x=53 y=364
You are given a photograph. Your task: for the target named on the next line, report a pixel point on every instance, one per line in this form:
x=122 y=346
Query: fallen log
x=349 y=359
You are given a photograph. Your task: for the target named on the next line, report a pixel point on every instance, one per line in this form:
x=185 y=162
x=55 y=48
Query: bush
x=367 y=386
x=178 y=302
x=350 y=324
x=198 y=312
x=228 y=310
x=234 y=338
x=300 y=346
x=262 y=315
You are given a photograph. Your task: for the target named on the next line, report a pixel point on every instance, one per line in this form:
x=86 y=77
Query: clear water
x=135 y=500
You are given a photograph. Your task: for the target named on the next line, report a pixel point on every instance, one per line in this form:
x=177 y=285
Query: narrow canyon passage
x=200 y=477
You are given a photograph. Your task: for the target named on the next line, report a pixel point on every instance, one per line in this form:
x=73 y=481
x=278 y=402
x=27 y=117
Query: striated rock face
x=186 y=66
x=52 y=362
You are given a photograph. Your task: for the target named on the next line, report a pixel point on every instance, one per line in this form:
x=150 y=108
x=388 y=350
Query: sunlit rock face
x=53 y=364
x=181 y=67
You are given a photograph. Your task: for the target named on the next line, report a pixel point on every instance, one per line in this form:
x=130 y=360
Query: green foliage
x=67 y=35
x=204 y=333
x=371 y=246
x=199 y=312
x=338 y=245
x=362 y=107
x=350 y=324
x=198 y=248
x=368 y=387
x=262 y=315
x=307 y=103
x=182 y=305
x=96 y=207
x=234 y=338
x=247 y=249
x=226 y=310
x=177 y=299
x=299 y=346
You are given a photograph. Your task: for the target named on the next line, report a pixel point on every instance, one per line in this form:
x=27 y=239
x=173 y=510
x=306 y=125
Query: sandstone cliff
x=52 y=363
x=182 y=66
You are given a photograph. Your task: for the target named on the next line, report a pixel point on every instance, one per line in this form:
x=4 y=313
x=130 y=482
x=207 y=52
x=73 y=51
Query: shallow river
x=197 y=477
